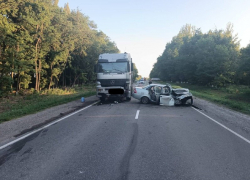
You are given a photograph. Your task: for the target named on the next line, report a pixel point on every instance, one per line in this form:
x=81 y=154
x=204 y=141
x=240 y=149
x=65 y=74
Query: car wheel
x=102 y=98
x=144 y=100
x=189 y=102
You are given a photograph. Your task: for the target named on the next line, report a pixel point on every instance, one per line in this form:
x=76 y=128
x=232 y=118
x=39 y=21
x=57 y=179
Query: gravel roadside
x=226 y=116
x=11 y=129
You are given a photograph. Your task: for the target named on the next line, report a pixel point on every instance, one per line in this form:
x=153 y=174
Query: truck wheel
x=102 y=99
x=128 y=98
x=144 y=100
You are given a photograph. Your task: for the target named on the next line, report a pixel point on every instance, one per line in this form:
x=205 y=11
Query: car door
x=151 y=92
x=166 y=98
x=158 y=91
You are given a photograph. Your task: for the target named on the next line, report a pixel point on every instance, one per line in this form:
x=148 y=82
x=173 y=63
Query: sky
x=144 y=27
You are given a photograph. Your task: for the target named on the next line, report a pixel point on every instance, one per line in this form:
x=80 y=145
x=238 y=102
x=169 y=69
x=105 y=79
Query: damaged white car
x=163 y=95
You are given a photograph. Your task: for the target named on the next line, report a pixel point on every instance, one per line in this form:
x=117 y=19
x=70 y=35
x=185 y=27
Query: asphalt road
x=129 y=141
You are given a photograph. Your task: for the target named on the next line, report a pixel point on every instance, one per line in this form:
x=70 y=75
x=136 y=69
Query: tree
x=138 y=77
x=43 y=45
x=244 y=67
x=135 y=72
x=192 y=56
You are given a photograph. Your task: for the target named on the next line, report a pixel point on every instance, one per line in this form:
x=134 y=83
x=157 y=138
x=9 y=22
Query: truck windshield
x=112 y=67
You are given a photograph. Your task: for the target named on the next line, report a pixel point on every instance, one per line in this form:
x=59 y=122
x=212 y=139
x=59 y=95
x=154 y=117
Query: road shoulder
x=11 y=129
x=225 y=115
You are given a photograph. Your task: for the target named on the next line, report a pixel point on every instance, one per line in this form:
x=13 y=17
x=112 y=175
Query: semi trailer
x=114 y=76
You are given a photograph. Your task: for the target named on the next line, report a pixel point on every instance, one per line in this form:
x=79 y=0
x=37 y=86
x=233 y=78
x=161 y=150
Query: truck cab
x=114 y=76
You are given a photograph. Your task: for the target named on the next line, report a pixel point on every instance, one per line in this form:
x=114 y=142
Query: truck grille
x=112 y=82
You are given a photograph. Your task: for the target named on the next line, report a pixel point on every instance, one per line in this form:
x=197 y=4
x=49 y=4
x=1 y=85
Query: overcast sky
x=143 y=27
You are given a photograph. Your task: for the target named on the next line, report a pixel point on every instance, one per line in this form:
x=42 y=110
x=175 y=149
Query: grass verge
x=18 y=106
x=233 y=96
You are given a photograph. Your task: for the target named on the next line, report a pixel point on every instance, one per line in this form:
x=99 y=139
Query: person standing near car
x=152 y=93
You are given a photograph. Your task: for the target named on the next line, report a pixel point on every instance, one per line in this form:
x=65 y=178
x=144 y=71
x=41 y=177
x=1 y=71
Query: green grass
x=18 y=106
x=236 y=97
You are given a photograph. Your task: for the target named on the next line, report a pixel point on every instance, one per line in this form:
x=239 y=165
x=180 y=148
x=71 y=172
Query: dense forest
x=213 y=58
x=44 y=46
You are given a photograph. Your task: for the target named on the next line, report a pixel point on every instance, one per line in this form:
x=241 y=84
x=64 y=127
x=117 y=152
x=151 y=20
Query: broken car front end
x=182 y=96
x=163 y=95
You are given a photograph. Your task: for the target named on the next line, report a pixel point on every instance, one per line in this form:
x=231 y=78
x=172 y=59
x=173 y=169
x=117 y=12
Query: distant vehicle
x=141 y=82
x=155 y=79
x=163 y=95
x=114 y=76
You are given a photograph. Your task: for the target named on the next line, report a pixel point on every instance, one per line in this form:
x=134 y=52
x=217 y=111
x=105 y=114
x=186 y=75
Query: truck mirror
x=128 y=67
x=132 y=67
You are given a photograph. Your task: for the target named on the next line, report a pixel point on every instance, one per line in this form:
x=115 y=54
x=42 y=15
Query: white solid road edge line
x=33 y=132
x=223 y=126
x=137 y=114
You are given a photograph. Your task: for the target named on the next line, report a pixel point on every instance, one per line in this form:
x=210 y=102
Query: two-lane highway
x=129 y=141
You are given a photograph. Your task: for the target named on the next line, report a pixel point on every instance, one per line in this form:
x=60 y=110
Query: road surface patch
x=105 y=116
x=48 y=125
x=151 y=115
x=230 y=130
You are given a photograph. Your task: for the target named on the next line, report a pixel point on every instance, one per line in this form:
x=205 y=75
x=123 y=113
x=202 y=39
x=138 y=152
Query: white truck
x=114 y=76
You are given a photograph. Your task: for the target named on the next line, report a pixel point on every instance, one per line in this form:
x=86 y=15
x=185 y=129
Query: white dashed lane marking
x=230 y=130
x=137 y=114
x=48 y=125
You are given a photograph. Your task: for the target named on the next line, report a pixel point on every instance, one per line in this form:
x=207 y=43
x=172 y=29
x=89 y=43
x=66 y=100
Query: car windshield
x=157 y=89
x=112 y=67
x=166 y=90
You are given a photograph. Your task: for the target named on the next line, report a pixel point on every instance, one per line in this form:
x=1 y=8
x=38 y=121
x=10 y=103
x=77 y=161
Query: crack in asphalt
x=196 y=107
x=124 y=168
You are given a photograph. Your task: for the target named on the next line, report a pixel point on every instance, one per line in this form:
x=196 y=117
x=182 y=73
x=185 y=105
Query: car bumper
x=104 y=91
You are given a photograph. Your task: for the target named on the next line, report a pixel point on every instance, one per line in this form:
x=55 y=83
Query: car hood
x=181 y=91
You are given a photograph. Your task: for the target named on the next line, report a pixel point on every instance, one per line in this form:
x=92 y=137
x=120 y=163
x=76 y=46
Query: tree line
x=213 y=58
x=44 y=46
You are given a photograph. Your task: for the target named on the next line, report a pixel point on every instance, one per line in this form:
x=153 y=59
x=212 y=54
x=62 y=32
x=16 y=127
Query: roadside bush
x=5 y=85
x=57 y=91
x=32 y=96
x=21 y=92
